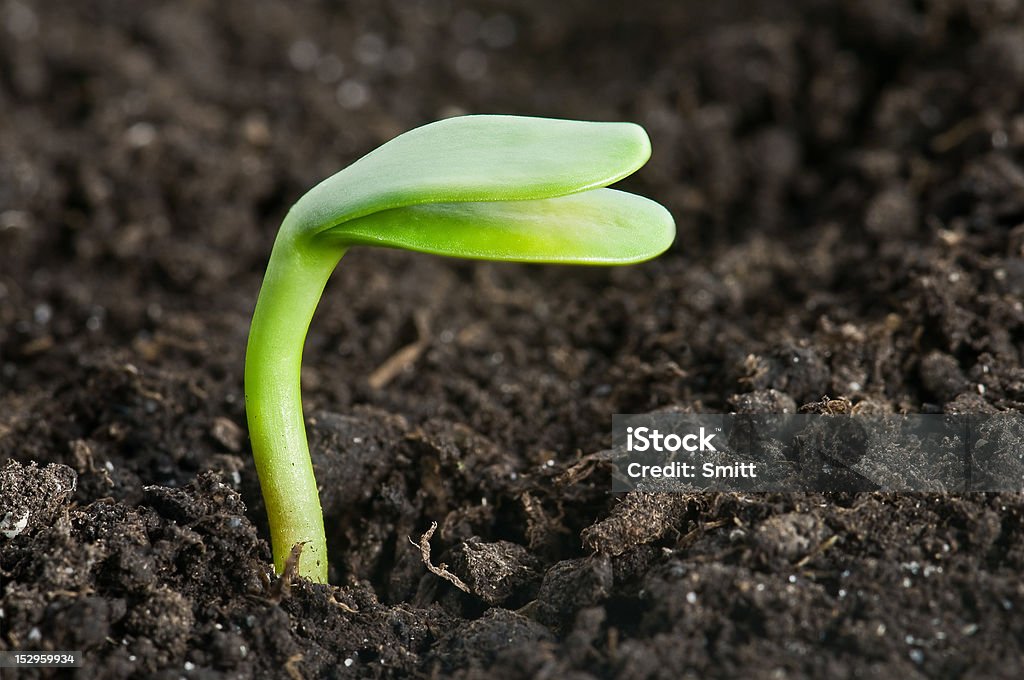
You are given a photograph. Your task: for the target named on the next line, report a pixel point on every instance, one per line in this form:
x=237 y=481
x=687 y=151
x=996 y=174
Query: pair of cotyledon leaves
x=495 y=188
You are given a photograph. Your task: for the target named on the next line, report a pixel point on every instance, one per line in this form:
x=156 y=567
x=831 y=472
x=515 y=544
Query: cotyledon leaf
x=475 y=158
x=601 y=226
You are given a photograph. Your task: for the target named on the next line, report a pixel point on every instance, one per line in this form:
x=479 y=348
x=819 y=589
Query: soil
x=848 y=183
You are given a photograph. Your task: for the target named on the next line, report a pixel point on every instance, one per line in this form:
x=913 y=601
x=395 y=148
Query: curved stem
x=291 y=290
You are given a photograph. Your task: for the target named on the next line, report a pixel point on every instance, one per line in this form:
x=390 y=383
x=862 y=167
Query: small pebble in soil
x=303 y=55
x=369 y=49
x=42 y=314
x=352 y=94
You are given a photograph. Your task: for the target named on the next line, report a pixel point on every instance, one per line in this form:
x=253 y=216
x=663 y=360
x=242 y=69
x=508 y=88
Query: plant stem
x=292 y=287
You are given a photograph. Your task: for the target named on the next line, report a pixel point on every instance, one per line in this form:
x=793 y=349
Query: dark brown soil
x=848 y=182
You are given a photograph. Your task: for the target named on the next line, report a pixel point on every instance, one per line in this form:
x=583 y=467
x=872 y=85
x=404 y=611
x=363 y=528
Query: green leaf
x=602 y=226
x=476 y=158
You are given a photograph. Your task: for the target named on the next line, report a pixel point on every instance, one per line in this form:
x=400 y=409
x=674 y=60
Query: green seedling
x=485 y=187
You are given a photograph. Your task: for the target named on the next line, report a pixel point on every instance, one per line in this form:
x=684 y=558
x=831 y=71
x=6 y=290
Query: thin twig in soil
x=441 y=569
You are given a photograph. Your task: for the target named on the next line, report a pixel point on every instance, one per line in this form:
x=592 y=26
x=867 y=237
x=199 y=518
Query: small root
x=283 y=587
x=441 y=569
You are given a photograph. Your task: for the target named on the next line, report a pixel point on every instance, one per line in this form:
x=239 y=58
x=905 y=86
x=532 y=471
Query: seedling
x=484 y=187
